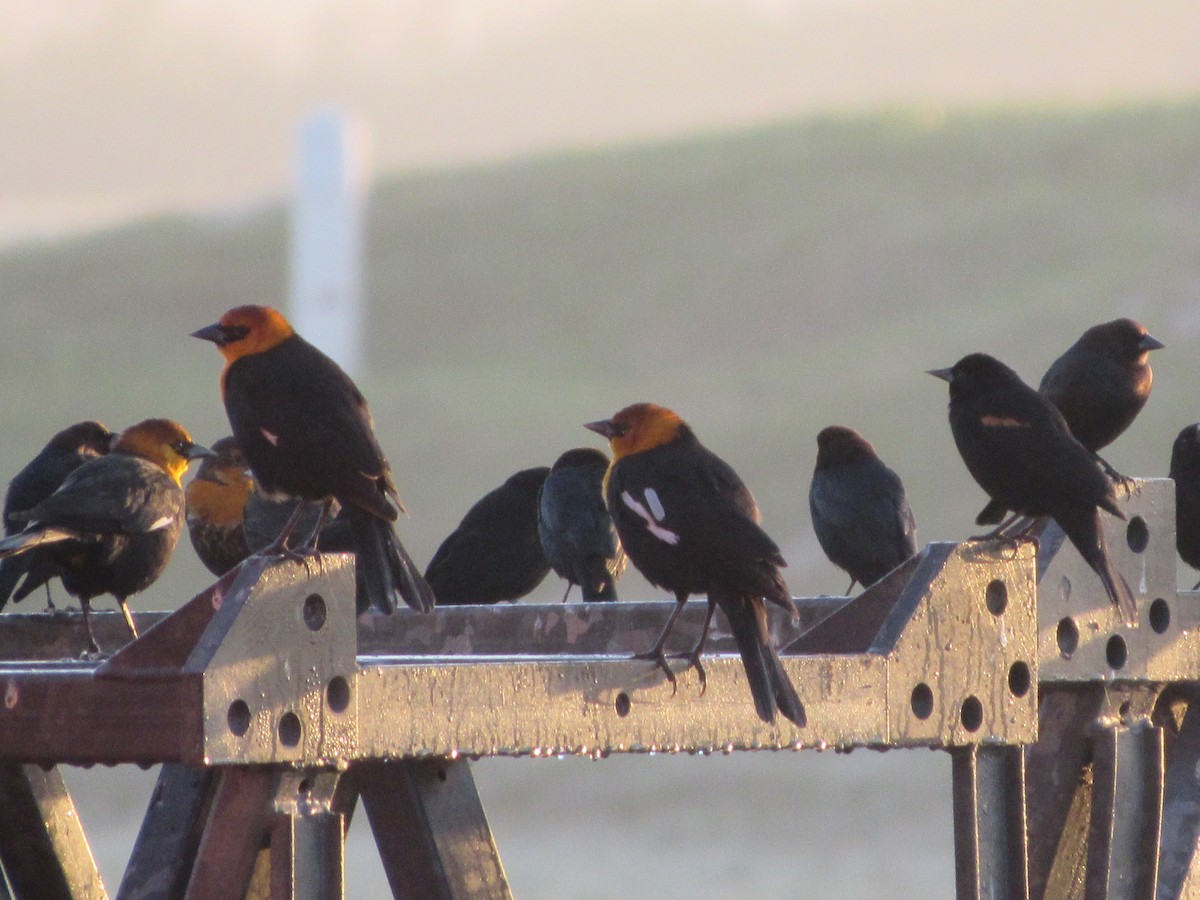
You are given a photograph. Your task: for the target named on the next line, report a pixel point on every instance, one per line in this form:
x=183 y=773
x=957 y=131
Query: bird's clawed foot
x=693 y=659
x=655 y=655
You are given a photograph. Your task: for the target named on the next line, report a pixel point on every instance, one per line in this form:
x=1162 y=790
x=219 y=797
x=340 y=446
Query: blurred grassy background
x=764 y=284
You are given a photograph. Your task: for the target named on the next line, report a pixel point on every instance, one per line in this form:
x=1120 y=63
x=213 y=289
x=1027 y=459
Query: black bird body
x=306 y=432
x=494 y=554
x=41 y=477
x=216 y=503
x=576 y=532
x=1185 y=471
x=859 y=509
x=1018 y=447
x=691 y=526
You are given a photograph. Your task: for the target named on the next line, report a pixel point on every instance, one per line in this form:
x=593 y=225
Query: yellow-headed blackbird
x=690 y=526
x=1185 y=470
x=216 y=503
x=859 y=509
x=576 y=531
x=63 y=454
x=1019 y=449
x=494 y=553
x=1099 y=384
x=306 y=432
x=113 y=524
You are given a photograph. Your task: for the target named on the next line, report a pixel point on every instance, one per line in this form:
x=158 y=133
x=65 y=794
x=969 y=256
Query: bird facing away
x=1099 y=385
x=1018 y=447
x=306 y=432
x=576 y=531
x=494 y=553
x=690 y=525
x=114 y=522
x=859 y=509
x=63 y=454
x=216 y=502
x=1185 y=471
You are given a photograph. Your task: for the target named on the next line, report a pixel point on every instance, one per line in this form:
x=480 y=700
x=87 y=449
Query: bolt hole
x=1019 y=679
x=922 y=701
x=314 y=612
x=238 y=718
x=442 y=776
x=972 y=714
x=623 y=704
x=1137 y=534
x=1067 y=636
x=1160 y=615
x=1116 y=652
x=1124 y=709
x=337 y=694
x=996 y=597
x=304 y=787
x=289 y=729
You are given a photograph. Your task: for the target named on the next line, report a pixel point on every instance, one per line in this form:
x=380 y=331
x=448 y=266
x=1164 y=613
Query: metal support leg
x=308 y=837
x=989 y=823
x=235 y=833
x=431 y=830
x=1179 y=862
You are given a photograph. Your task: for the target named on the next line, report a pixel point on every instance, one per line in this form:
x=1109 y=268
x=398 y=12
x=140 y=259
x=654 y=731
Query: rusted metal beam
x=237 y=829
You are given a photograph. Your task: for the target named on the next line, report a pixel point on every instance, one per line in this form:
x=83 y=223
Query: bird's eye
x=232 y=333
x=618 y=429
x=181 y=447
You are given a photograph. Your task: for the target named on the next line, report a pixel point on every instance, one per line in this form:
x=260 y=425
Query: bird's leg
x=853 y=582
x=128 y=616
x=656 y=653
x=310 y=545
x=50 y=607
x=1117 y=478
x=93 y=649
x=1196 y=586
x=567 y=592
x=693 y=655
x=279 y=546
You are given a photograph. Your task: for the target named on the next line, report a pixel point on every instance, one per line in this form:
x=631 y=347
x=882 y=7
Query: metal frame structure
x=1075 y=744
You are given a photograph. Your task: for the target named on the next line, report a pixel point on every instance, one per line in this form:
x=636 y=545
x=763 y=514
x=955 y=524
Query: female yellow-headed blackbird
x=690 y=526
x=1185 y=470
x=494 y=553
x=1099 y=384
x=1019 y=449
x=216 y=503
x=576 y=531
x=63 y=454
x=113 y=524
x=306 y=432
x=859 y=510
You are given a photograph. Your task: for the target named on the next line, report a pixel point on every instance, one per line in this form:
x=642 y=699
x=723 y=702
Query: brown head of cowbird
x=859 y=509
x=216 y=503
x=1185 y=471
x=691 y=526
x=1017 y=446
x=114 y=522
x=494 y=554
x=42 y=476
x=1099 y=385
x=574 y=526
x=306 y=432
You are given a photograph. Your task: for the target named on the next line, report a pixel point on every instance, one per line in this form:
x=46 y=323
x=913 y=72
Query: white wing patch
x=161 y=523
x=272 y=439
x=652 y=516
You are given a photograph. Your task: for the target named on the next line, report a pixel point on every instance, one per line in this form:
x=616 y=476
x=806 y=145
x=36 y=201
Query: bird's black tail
x=1084 y=531
x=769 y=683
x=596 y=581
x=385 y=568
x=11 y=572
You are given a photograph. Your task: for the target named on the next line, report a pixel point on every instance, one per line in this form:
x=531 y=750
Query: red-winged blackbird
x=494 y=553
x=1019 y=449
x=576 y=531
x=859 y=510
x=216 y=503
x=1099 y=384
x=1185 y=470
x=690 y=526
x=306 y=432
x=113 y=524
x=63 y=454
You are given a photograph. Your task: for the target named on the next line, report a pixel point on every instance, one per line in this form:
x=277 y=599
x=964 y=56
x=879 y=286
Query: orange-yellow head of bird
x=162 y=442
x=221 y=486
x=245 y=330
x=642 y=426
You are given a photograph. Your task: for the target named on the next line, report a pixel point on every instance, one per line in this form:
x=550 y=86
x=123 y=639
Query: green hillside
x=765 y=284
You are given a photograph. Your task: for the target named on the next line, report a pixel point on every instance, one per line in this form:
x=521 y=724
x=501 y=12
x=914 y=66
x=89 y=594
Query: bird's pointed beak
x=1150 y=342
x=212 y=332
x=946 y=375
x=198 y=451
x=603 y=427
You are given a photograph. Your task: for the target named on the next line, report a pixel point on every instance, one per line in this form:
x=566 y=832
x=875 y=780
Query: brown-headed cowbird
x=691 y=526
x=1099 y=385
x=574 y=526
x=859 y=509
x=1185 y=471
x=1019 y=449
x=306 y=432
x=216 y=504
x=114 y=522
x=494 y=553
x=63 y=454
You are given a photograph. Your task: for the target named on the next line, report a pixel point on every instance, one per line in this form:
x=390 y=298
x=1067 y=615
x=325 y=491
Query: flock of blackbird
x=303 y=470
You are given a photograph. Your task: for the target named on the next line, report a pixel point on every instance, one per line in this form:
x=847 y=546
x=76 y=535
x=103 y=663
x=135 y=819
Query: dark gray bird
x=859 y=509
x=1185 y=471
x=576 y=531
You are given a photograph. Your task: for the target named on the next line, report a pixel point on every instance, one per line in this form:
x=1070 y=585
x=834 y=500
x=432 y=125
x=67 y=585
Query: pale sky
x=115 y=108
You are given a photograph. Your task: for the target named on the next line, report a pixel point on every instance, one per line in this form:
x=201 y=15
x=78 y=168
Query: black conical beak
x=198 y=451
x=946 y=375
x=1150 y=342
x=603 y=427
x=213 y=332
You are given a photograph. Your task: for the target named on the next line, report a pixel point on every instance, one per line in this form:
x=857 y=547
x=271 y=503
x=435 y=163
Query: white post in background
x=326 y=303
